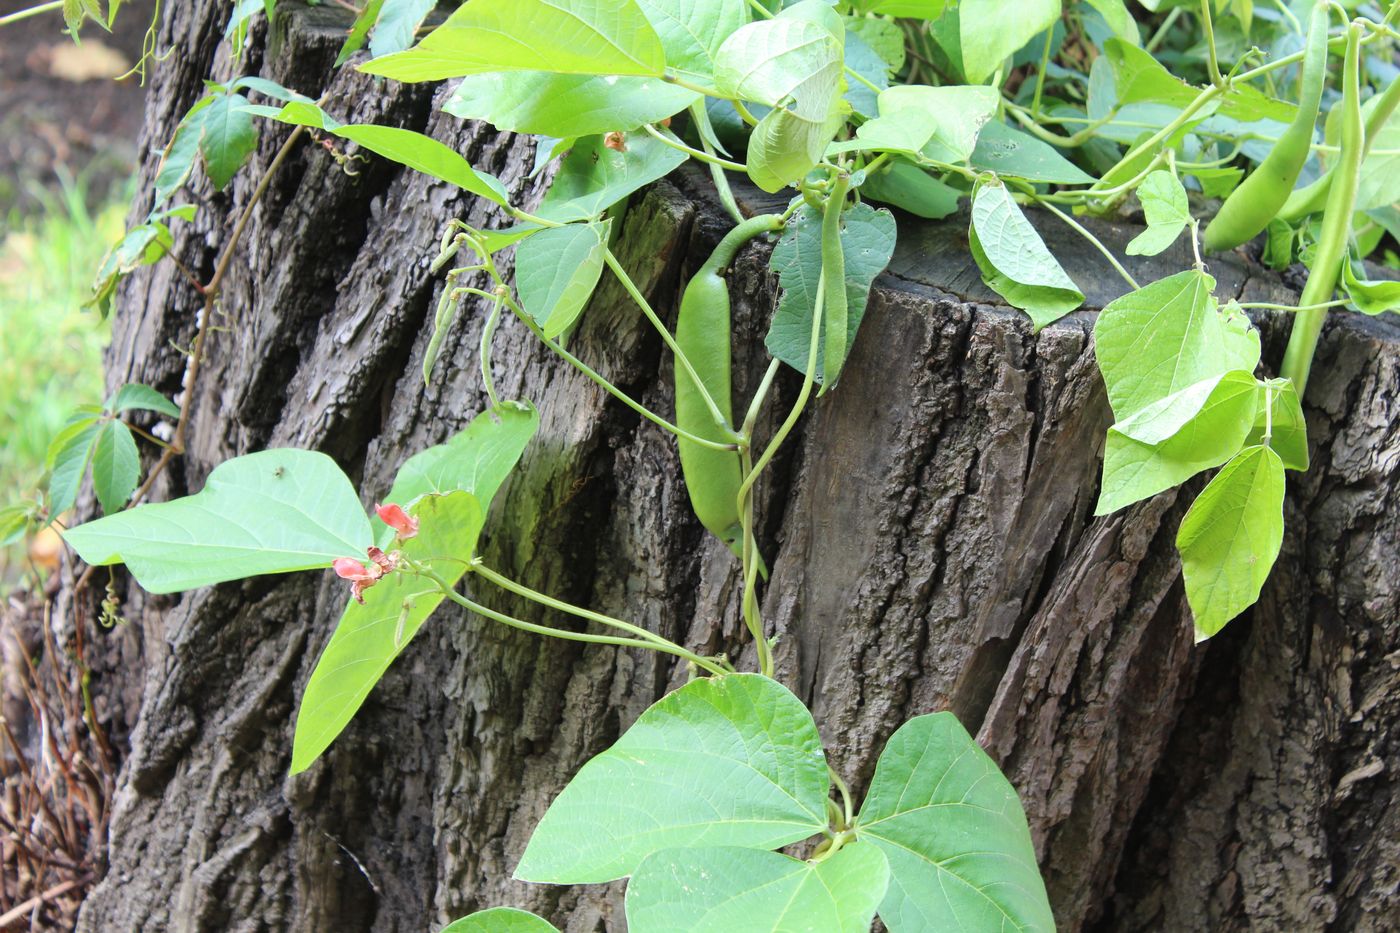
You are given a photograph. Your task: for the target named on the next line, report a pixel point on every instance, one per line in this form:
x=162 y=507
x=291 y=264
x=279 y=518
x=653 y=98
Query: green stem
x=1040 y=75
x=521 y=589
x=1330 y=252
x=611 y=389
x=693 y=153
x=808 y=379
x=32 y=11
x=681 y=359
x=701 y=116
x=512 y=622
x=1208 y=27
x=1162 y=30
x=1028 y=121
x=1270 y=306
x=1082 y=231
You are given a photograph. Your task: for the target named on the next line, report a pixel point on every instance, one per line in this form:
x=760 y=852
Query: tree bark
x=929 y=529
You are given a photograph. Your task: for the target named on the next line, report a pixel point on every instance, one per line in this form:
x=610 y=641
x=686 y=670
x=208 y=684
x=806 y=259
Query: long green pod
x=713 y=477
x=1250 y=207
x=836 y=311
x=1312 y=198
x=1336 y=224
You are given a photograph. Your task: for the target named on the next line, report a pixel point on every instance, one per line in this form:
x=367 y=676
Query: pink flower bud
x=405 y=525
x=348 y=568
x=361 y=577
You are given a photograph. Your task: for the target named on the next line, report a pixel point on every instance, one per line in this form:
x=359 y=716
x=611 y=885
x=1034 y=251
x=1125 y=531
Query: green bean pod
x=1260 y=198
x=1336 y=224
x=836 y=313
x=713 y=477
x=1312 y=198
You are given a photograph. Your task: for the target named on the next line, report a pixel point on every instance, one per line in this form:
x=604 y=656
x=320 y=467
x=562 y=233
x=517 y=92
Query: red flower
x=361 y=577
x=396 y=518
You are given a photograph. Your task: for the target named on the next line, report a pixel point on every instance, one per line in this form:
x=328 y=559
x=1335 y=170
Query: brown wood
x=929 y=528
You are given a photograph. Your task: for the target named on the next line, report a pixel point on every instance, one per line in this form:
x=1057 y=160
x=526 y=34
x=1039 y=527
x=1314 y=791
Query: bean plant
x=835 y=110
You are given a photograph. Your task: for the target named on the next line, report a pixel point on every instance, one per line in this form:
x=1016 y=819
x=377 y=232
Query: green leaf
x=501 y=920
x=911 y=188
x=566 y=105
x=14 y=522
x=989 y=35
x=270 y=512
x=794 y=65
x=785 y=146
x=1166 y=336
x=917 y=9
x=1167 y=212
x=720 y=889
x=1159 y=420
x=1014 y=260
x=1115 y=13
x=1285 y=423
x=733 y=760
x=940 y=123
x=1231 y=537
x=1134 y=470
x=596 y=37
x=407 y=147
x=1379 y=183
x=229 y=137
x=359 y=30
x=556 y=271
x=952 y=827
x=594 y=177
x=177 y=161
x=1012 y=153
x=692 y=31
x=370 y=635
x=397 y=24
x=116 y=466
x=1140 y=78
x=67 y=462
x=1369 y=296
x=867 y=239
x=884 y=37
x=476 y=459
x=136 y=396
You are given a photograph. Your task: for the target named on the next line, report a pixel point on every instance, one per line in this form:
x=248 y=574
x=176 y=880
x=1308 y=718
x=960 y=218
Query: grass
x=50 y=347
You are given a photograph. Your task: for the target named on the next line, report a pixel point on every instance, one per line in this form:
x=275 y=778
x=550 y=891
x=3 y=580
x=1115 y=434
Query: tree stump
x=929 y=529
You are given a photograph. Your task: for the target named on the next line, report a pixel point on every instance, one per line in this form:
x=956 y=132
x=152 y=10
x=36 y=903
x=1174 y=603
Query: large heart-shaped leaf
x=1165 y=337
x=952 y=827
x=270 y=512
x=990 y=32
x=721 y=889
x=371 y=634
x=598 y=37
x=733 y=760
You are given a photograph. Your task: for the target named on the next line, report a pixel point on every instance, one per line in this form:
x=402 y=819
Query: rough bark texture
x=930 y=535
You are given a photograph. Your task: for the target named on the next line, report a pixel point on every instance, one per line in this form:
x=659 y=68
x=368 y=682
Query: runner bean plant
x=953 y=112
